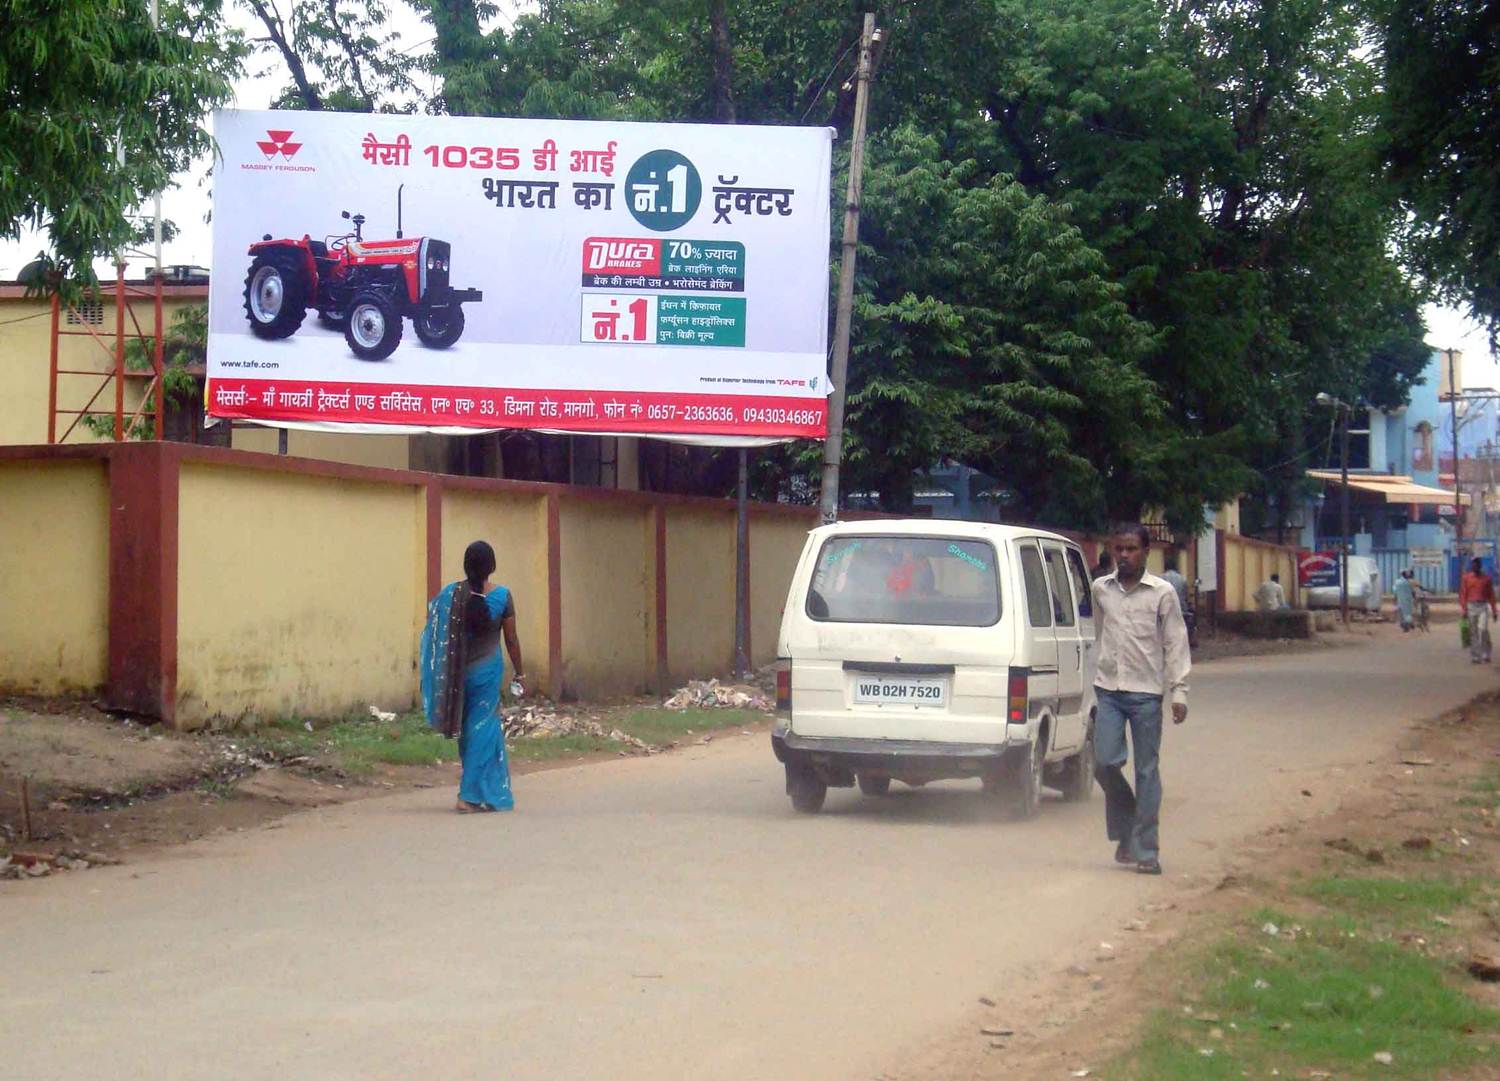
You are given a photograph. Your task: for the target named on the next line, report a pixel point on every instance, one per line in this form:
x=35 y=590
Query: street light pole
x=1344 y=513
x=1458 y=499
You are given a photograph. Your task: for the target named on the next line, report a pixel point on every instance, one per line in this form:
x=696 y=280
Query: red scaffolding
x=117 y=374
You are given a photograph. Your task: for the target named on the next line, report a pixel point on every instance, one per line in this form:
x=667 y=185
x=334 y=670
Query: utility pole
x=1458 y=499
x=1344 y=513
x=833 y=447
x=742 y=567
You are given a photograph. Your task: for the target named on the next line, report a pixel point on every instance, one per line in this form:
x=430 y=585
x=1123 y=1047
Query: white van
x=922 y=650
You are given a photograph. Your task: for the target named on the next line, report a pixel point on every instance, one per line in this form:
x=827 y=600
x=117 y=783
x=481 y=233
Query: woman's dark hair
x=479 y=564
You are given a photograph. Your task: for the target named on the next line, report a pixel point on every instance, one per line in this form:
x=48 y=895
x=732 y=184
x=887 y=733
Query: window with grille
x=88 y=311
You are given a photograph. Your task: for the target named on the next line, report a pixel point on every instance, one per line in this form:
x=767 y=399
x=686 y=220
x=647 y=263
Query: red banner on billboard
x=477 y=407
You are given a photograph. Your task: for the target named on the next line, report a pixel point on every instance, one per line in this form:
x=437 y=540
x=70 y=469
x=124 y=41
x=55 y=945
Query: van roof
x=937 y=527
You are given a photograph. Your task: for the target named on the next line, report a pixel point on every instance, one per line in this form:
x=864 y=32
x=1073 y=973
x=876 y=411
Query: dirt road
x=658 y=918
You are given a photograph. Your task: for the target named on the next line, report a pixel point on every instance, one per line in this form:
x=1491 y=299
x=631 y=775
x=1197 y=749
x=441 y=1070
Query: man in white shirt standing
x=1143 y=657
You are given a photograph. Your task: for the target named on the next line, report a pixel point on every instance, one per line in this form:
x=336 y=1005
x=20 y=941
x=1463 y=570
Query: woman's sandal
x=464 y=807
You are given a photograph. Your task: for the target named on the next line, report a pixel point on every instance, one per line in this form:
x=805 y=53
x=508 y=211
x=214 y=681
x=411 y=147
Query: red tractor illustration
x=362 y=287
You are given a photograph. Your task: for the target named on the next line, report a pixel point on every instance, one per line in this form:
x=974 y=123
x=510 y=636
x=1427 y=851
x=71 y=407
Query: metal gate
x=1434 y=578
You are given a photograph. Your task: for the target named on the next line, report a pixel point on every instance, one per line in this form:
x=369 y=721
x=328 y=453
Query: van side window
x=1038 y=598
x=1082 y=586
x=1062 y=593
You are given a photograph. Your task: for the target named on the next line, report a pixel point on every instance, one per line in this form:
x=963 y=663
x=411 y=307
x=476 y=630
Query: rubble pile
x=711 y=694
x=542 y=722
x=41 y=864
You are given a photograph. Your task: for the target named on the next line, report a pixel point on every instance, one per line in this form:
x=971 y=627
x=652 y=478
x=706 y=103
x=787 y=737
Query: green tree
x=337 y=54
x=1442 y=122
x=98 y=110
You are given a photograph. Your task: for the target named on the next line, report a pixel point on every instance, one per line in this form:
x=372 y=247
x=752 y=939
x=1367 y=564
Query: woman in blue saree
x=462 y=673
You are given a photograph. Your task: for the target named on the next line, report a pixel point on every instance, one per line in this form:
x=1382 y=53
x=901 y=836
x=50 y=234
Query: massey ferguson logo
x=278 y=143
x=279 y=151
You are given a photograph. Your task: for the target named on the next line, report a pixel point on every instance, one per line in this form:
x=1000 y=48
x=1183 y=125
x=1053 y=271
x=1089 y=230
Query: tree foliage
x=1442 y=122
x=98 y=110
x=1111 y=249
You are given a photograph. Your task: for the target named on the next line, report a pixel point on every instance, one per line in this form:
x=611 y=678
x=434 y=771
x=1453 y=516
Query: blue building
x=1401 y=475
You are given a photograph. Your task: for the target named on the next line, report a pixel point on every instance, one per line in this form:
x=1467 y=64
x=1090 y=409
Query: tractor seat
x=318 y=248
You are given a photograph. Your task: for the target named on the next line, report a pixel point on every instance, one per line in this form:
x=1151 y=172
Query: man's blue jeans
x=1130 y=816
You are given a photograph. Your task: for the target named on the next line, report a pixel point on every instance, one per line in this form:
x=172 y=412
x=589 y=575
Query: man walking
x=1476 y=599
x=1406 y=600
x=1143 y=656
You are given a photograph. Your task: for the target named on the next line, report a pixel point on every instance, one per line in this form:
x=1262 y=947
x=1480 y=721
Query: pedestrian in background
x=1102 y=566
x=1476 y=600
x=1406 y=600
x=1269 y=596
x=1173 y=577
x=1143 y=657
x=462 y=673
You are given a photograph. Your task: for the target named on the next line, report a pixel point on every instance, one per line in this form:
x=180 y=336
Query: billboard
x=446 y=273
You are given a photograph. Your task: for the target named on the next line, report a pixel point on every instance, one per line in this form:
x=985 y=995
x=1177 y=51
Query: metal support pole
x=742 y=567
x=1344 y=512
x=119 y=351
x=280 y=440
x=1458 y=501
x=833 y=448
x=52 y=386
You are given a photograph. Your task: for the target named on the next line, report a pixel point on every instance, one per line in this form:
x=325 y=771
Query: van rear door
x=901 y=637
x=1040 y=634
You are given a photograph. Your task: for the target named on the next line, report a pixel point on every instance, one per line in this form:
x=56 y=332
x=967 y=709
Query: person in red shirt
x=1476 y=599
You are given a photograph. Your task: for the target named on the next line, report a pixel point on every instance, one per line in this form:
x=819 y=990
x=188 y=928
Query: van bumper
x=837 y=759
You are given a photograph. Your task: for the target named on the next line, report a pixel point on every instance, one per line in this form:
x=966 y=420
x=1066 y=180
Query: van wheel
x=1077 y=780
x=1019 y=788
x=874 y=786
x=807 y=789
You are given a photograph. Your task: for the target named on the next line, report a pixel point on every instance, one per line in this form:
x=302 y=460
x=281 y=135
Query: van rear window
x=930 y=581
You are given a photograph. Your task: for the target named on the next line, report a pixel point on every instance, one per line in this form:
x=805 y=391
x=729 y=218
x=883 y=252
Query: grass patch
x=1399 y=900
x=1330 y=999
x=1485 y=790
x=216 y=788
x=548 y=749
x=662 y=726
x=357 y=745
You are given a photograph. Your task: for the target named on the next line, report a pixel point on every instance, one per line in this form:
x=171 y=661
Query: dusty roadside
x=104 y=786
x=1409 y=859
x=79 y=786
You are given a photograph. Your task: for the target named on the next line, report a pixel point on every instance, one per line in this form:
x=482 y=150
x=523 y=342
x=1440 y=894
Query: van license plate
x=899 y=691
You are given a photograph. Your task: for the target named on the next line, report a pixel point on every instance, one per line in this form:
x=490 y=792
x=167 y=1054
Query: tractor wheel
x=439 y=327
x=276 y=294
x=374 y=328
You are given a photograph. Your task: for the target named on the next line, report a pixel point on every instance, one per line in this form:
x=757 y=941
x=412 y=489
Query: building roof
x=1391 y=487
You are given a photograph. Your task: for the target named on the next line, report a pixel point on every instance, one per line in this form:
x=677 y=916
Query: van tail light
x=784 y=689
x=1018 y=696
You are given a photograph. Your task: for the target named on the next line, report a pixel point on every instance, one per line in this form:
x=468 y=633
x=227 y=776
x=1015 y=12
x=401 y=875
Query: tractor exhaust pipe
x=398 y=210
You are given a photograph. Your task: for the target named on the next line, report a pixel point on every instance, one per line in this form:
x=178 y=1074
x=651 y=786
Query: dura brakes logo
x=621 y=255
x=279 y=151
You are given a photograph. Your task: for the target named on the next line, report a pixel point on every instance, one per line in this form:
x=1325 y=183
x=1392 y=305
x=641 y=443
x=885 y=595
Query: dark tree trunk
x=723 y=58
